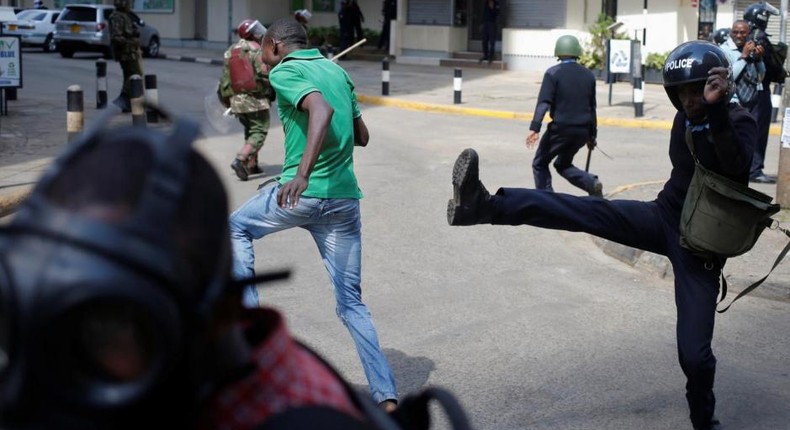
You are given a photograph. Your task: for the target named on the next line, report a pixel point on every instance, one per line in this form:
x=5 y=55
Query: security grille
x=536 y=13
x=430 y=12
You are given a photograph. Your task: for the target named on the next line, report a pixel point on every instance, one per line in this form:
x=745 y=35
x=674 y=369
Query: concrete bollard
x=385 y=76
x=151 y=98
x=11 y=201
x=75 y=117
x=776 y=101
x=457 y=81
x=101 y=84
x=639 y=98
x=138 y=100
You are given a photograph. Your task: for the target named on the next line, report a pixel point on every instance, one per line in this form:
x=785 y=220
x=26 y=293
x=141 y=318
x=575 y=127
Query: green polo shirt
x=299 y=74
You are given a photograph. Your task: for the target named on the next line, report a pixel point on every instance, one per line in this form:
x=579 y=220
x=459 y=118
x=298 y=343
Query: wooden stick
x=347 y=50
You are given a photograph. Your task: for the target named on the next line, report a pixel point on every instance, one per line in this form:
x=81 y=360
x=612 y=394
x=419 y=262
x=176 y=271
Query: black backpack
x=776 y=55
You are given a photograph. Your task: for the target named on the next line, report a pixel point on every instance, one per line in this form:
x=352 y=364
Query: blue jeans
x=337 y=230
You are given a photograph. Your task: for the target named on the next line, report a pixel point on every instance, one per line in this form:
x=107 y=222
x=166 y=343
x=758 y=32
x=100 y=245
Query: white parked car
x=35 y=27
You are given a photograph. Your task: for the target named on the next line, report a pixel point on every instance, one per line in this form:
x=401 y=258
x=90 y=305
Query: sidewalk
x=492 y=93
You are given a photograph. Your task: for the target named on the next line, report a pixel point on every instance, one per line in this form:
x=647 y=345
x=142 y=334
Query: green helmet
x=567 y=46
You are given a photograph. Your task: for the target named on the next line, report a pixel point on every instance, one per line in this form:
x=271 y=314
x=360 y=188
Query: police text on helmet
x=683 y=63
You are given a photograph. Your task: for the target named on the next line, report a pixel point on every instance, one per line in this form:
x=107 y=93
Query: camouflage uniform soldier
x=125 y=40
x=251 y=104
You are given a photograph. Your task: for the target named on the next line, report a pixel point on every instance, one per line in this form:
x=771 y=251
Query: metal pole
x=609 y=76
x=230 y=22
x=385 y=76
x=137 y=100
x=151 y=98
x=101 y=84
x=783 y=177
x=636 y=72
x=75 y=118
x=457 y=80
x=644 y=23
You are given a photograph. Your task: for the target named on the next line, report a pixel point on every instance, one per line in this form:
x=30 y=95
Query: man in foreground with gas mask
x=116 y=309
x=698 y=82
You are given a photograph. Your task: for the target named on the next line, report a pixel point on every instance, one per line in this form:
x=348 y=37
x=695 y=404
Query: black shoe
x=597 y=189
x=471 y=202
x=241 y=170
x=123 y=103
x=714 y=425
x=762 y=179
x=255 y=170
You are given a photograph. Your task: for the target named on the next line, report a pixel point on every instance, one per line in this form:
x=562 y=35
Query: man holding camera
x=748 y=68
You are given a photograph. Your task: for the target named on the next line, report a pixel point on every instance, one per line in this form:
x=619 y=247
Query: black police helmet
x=757 y=14
x=691 y=62
x=720 y=36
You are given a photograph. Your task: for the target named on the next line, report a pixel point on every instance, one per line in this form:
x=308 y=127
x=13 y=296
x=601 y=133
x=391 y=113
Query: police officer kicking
x=699 y=85
x=568 y=93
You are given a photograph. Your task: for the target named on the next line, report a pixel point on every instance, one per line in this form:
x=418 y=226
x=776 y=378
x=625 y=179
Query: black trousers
x=384 y=38
x=651 y=227
x=489 y=40
x=761 y=110
x=561 y=145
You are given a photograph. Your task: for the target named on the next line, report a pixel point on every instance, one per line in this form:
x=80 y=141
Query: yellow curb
x=439 y=108
x=775 y=130
x=626 y=187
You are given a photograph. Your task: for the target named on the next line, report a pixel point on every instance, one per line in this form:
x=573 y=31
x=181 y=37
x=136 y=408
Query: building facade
x=427 y=31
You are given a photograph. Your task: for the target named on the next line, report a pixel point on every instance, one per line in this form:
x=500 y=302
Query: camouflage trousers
x=129 y=68
x=256 y=127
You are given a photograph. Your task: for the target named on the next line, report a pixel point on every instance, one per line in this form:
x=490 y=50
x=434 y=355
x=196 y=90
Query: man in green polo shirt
x=318 y=190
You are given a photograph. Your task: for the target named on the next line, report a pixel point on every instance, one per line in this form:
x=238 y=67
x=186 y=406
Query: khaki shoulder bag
x=722 y=218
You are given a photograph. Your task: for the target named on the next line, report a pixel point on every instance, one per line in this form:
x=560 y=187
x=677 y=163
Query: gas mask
x=97 y=330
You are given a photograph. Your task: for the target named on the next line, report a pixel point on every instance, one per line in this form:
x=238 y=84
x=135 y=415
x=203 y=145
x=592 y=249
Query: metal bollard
x=457 y=87
x=776 y=101
x=101 y=84
x=75 y=118
x=151 y=98
x=137 y=100
x=639 y=98
x=385 y=76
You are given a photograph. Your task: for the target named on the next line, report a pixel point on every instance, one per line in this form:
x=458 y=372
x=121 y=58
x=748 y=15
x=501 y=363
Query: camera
x=759 y=37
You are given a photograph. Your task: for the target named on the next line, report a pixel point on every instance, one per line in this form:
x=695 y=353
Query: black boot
x=240 y=169
x=123 y=103
x=471 y=202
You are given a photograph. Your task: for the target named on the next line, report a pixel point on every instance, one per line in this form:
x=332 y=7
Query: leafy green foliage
x=656 y=60
x=595 y=49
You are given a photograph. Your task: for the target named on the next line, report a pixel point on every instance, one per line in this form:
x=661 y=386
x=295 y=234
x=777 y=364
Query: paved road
x=532 y=329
